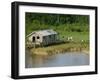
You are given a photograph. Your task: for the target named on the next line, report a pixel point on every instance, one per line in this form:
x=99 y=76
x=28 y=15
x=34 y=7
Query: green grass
x=72 y=30
x=77 y=36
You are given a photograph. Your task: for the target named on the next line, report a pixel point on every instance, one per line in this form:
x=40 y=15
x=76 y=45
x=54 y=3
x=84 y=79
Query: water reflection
x=67 y=59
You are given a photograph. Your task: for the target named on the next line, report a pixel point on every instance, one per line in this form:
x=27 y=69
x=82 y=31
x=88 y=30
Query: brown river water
x=56 y=60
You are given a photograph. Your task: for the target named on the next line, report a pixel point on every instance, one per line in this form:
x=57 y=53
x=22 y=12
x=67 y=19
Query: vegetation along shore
x=61 y=48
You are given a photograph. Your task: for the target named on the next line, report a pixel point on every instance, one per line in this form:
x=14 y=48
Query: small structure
x=43 y=37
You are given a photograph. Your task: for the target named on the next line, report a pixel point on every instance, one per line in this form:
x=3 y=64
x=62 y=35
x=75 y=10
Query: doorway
x=33 y=39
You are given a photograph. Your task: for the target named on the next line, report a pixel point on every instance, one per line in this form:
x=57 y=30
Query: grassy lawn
x=77 y=36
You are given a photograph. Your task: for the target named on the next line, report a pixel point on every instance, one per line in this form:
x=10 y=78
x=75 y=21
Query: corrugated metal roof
x=46 y=32
x=43 y=32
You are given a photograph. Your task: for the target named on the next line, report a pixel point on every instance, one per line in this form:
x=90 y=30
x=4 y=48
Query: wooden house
x=44 y=37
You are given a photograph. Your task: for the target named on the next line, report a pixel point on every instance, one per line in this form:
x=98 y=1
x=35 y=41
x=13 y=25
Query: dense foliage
x=57 y=22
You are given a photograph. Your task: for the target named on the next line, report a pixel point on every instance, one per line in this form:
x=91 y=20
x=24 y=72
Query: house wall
x=30 y=38
x=40 y=38
x=49 y=39
x=43 y=39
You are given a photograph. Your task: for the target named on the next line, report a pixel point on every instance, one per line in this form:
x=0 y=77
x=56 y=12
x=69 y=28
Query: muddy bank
x=61 y=48
x=43 y=51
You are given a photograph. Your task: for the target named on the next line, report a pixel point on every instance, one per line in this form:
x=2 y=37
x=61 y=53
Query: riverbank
x=61 y=48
